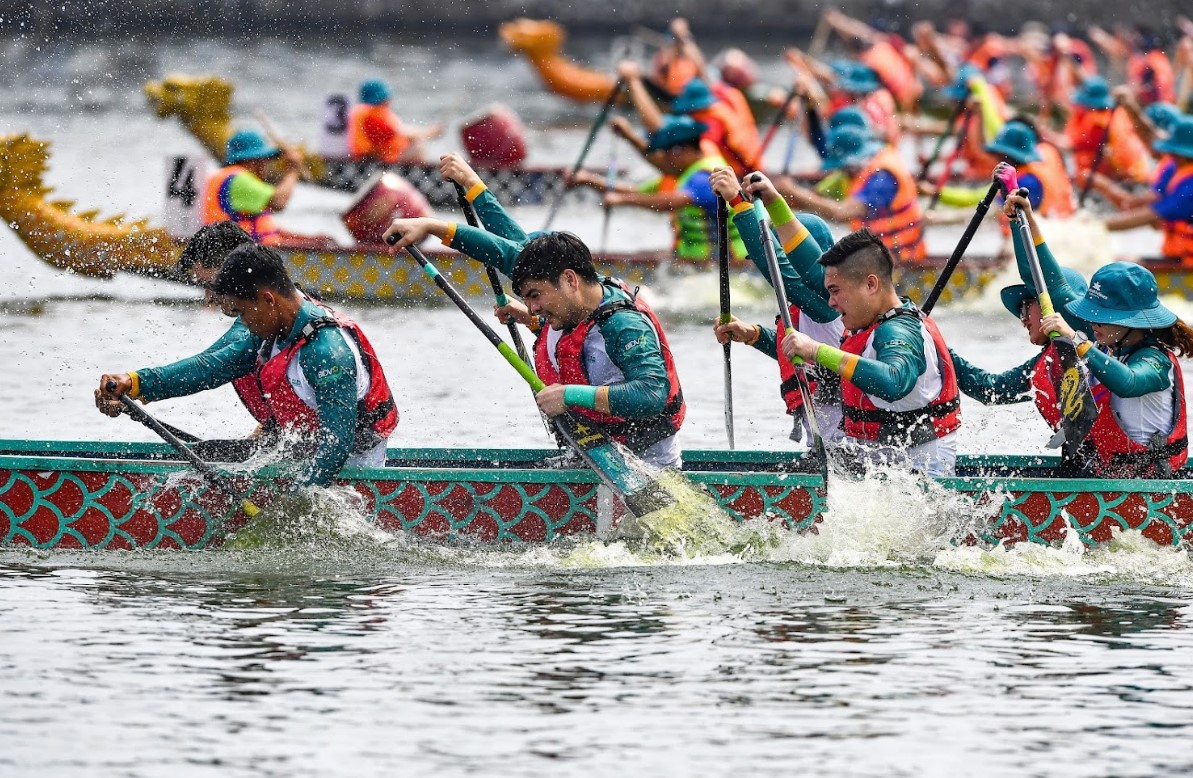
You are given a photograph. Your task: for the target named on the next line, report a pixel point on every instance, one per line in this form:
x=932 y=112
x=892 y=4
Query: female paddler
x=799 y=240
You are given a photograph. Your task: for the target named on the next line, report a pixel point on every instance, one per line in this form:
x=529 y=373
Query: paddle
x=948 y=165
x=1098 y=155
x=948 y=131
x=963 y=244
x=207 y=471
x=801 y=377
x=774 y=127
x=610 y=181
x=271 y=133
x=617 y=467
x=725 y=317
x=597 y=123
x=1078 y=409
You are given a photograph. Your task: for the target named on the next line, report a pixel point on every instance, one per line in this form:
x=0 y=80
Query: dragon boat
x=87 y=495
x=100 y=248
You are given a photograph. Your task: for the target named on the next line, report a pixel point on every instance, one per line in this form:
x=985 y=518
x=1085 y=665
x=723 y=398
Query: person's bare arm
x=801 y=199
x=644 y=104
x=1136 y=217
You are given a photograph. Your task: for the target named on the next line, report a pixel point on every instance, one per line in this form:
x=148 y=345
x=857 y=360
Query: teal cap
x=1014 y=296
x=849 y=116
x=695 y=96
x=1163 y=115
x=849 y=146
x=1094 y=93
x=1017 y=142
x=1123 y=294
x=959 y=89
x=374 y=92
x=856 y=78
x=1179 y=140
x=675 y=131
x=248 y=144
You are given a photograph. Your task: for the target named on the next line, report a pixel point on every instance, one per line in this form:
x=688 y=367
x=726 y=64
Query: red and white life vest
x=271 y=399
x=825 y=384
x=866 y=421
x=1121 y=457
x=637 y=434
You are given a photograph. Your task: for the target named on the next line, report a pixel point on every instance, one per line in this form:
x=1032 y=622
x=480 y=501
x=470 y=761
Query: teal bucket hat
x=849 y=116
x=849 y=146
x=856 y=78
x=249 y=144
x=959 y=89
x=1094 y=93
x=1123 y=294
x=1015 y=295
x=374 y=92
x=1179 y=140
x=1163 y=115
x=695 y=96
x=818 y=228
x=1016 y=141
x=675 y=131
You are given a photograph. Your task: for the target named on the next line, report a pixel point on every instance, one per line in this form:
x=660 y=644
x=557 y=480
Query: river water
x=874 y=648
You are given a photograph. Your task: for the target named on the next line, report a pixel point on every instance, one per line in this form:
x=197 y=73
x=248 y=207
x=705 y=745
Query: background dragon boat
x=81 y=495
x=100 y=248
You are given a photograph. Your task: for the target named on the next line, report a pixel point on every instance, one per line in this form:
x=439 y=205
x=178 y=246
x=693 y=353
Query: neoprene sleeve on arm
x=898 y=361
x=1145 y=371
x=330 y=369
x=748 y=226
x=229 y=358
x=1058 y=287
x=633 y=346
x=767 y=341
x=484 y=247
x=496 y=219
x=1006 y=388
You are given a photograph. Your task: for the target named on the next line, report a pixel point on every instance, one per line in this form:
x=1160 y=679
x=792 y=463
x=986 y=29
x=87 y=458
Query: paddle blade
x=629 y=477
x=1078 y=408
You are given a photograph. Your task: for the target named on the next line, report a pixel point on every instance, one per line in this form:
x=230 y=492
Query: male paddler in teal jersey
x=600 y=349
x=682 y=190
x=898 y=385
x=316 y=379
x=798 y=240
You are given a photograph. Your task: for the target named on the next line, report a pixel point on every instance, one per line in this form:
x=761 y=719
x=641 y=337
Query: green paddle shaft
x=614 y=465
x=206 y=470
x=801 y=377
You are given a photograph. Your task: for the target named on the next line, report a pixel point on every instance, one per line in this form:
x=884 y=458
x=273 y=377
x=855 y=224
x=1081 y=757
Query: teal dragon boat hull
x=81 y=495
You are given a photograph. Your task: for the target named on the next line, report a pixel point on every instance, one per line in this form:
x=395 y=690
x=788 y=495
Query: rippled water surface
x=873 y=648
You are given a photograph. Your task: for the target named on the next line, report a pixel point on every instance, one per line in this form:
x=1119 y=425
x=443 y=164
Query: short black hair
x=251 y=268
x=211 y=244
x=860 y=254
x=544 y=258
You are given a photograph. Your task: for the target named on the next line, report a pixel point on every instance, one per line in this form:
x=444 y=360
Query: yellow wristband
x=1084 y=347
x=475 y=191
x=451 y=234
x=753 y=338
x=135 y=392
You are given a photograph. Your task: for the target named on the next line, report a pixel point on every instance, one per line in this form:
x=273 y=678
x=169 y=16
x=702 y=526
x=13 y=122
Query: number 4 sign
x=186 y=182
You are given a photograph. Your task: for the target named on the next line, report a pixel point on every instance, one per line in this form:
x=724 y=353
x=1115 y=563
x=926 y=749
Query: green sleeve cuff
x=779 y=212
x=579 y=396
x=830 y=357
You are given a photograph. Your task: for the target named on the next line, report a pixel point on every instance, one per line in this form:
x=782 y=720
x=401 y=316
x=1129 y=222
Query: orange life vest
x=217 y=207
x=1121 y=457
x=737 y=141
x=1178 y=235
x=825 y=384
x=374 y=131
x=902 y=227
x=1151 y=78
x=1058 y=187
x=637 y=434
x=866 y=421
x=895 y=72
x=978 y=161
x=1126 y=156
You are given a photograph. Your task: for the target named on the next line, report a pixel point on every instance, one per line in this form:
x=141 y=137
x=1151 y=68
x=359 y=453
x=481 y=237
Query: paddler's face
x=1029 y=316
x=559 y=302
x=857 y=300
x=205 y=277
x=1110 y=334
x=261 y=314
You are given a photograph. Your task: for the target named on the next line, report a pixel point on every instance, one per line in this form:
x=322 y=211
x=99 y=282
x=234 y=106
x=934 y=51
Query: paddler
x=1125 y=157
x=238 y=191
x=375 y=131
x=882 y=194
x=1142 y=427
x=884 y=53
x=600 y=348
x=317 y=379
x=798 y=239
x=898 y=384
x=1171 y=207
x=682 y=189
